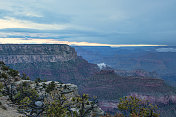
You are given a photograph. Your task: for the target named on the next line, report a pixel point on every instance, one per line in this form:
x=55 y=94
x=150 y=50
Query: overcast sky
x=88 y=22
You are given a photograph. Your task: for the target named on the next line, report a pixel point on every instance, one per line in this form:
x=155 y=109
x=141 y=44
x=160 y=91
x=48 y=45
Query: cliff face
x=111 y=86
x=150 y=59
x=56 y=62
x=12 y=54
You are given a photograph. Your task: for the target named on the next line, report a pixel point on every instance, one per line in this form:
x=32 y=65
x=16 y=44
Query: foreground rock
x=7 y=109
x=42 y=98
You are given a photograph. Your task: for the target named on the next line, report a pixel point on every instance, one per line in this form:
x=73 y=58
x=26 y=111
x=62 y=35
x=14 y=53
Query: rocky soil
x=7 y=109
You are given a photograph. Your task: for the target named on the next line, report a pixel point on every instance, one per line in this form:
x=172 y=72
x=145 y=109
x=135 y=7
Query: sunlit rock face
x=12 y=54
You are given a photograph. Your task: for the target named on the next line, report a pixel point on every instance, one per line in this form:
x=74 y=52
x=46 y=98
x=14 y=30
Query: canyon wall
x=12 y=54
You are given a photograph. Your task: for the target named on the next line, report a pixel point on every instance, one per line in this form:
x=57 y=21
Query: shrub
x=50 y=87
x=25 y=77
x=25 y=102
x=56 y=109
x=84 y=105
x=132 y=106
x=13 y=73
x=44 y=85
x=2 y=63
x=1 y=86
x=4 y=75
x=38 y=80
x=5 y=68
x=25 y=92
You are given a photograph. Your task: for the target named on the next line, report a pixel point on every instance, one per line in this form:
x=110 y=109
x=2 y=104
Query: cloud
x=9 y=22
x=52 y=41
x=93 y=21
x=44 y=17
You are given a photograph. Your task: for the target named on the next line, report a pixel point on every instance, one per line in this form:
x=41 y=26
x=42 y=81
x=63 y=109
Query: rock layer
x=12 y=54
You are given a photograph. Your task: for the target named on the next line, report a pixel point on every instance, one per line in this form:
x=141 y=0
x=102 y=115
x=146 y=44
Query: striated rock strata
x=12 y=54
x=57 y=62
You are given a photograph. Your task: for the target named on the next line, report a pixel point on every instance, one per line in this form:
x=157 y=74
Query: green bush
x=24 y=93
x=134 y=107
x=56 y=109
x=1 y=86
x=13 y=73
x=25 y=102
x=5 y=68
x=25 y=77
x=50 y=87
x=4 y=75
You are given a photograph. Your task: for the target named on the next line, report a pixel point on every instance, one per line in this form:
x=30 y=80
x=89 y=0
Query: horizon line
x=71 y=43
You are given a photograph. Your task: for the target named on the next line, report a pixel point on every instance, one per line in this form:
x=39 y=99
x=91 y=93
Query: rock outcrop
x=39 y=96
x=56 y=62
x=12 y=54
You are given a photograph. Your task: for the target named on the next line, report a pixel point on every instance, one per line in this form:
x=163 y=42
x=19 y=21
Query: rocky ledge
x=29 y=53
x=23 y=97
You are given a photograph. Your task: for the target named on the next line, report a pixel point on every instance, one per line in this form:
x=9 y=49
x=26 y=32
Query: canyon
x=61 y=63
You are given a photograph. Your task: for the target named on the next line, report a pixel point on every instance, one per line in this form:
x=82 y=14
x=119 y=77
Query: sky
x=88 y=22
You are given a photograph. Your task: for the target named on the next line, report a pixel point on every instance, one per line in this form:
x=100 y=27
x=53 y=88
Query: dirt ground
x=7 y=109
